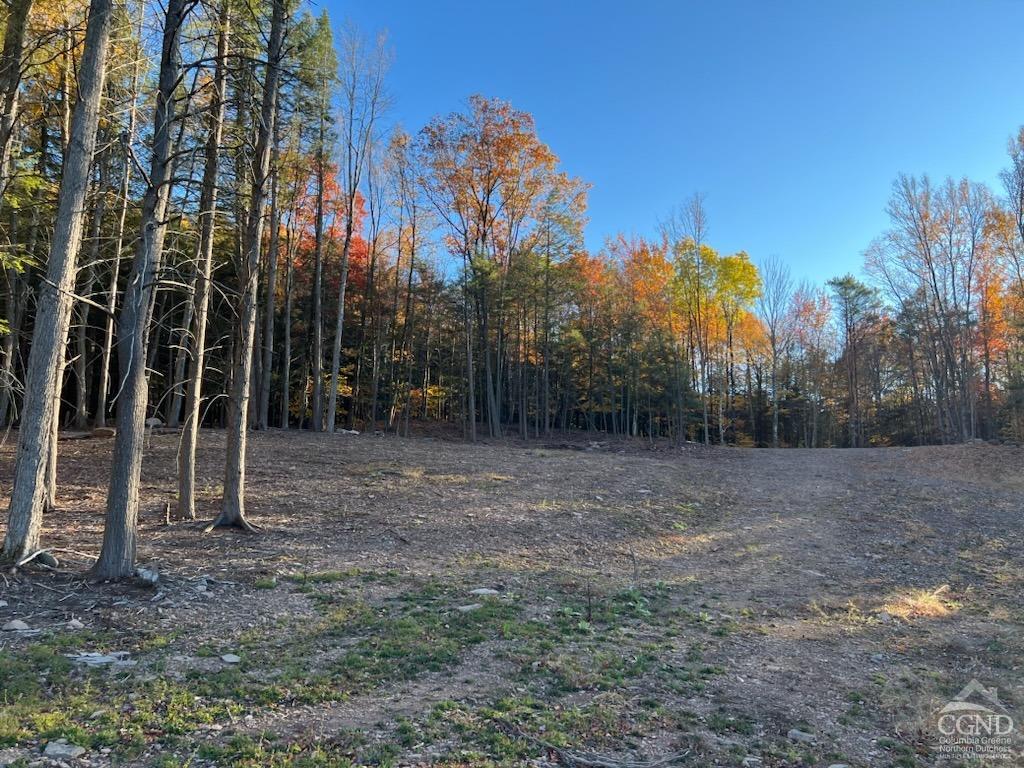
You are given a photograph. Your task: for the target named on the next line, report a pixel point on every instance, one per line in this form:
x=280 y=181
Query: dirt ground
x=423 y=601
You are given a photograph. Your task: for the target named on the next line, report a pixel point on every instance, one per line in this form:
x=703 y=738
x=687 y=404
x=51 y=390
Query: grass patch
x=922 y=604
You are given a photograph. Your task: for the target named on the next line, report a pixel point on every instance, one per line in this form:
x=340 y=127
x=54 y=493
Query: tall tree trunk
x=286 y=352
x=181 y=353
x=318 y=300
x=201 y=301
x=103 y=389
x=117 y=554
x=332 y=404
x=263 y=410
x=54 y=306
x=82 y=351
x=233 y=508
x=470 y=372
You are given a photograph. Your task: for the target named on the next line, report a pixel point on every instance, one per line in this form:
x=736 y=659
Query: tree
x=233 y=505
x=856 y=304
x=207 y=228
x=117 y=554
x=774 y=305
x=687 y=231
x=54 y=307
x=487 y=174
x=363 y=101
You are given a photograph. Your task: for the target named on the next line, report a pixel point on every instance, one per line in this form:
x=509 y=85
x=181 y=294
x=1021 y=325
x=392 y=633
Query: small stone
x=795 y=734
x=469 y=608
x=15 y=625
x=93 y=659
x=60 y=749
x=75 y=624
x=230 y=658
x=839 y=765
x=752 y=762
x=484 y=591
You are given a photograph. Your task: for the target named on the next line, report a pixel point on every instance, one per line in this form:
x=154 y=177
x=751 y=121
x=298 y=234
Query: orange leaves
x=487 y=173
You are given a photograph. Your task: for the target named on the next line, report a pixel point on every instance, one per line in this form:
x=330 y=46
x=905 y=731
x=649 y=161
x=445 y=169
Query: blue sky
x=792 y=118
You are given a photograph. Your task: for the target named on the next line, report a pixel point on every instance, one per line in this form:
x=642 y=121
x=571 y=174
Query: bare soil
x=690 y=604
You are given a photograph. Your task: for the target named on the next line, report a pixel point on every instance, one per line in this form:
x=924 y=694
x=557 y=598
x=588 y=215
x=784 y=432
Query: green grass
x=578 y=641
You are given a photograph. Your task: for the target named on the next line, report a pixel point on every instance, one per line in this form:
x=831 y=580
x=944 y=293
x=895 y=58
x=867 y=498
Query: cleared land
x=700 y=602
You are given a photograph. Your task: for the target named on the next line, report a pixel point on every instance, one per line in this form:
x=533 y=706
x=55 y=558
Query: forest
x=209 y=220
x=327 y=441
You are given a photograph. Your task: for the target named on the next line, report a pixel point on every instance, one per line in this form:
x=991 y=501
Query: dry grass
x=922 y=604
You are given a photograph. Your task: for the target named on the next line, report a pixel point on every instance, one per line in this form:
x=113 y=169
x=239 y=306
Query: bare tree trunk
x=233 y=508
x=286 y=352
x=181 y=355
x=128 y=137
x=470 y=372
x=82 y=351
x=332 y=397
x=201 y=301
x=50 y=500
x=318 y=300
x=117 y=554
x=263 y=411
x=54 y=307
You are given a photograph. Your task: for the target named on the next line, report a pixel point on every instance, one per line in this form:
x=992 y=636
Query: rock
x=93 y=659
x=795 y=734
x=230 y=658
x=61 y=750
x=469 y=608
x=15 y=625
x=839 y=765
x=12 y=757
x=752 y=762
x=484 y=591
x=75 y=624
x=104 y=432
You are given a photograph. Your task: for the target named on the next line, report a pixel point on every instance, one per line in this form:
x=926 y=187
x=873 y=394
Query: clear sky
x=792 y=118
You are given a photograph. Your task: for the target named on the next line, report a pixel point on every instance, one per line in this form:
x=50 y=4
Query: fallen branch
x=39 y=554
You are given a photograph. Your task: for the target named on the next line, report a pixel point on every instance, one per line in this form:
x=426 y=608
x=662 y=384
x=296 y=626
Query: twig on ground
x=30 y=557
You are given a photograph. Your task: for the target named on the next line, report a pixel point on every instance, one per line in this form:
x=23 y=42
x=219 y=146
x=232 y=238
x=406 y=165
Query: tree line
x=208 y=218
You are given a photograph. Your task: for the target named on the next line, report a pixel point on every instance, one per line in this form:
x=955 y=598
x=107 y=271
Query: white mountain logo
x=975 y=723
